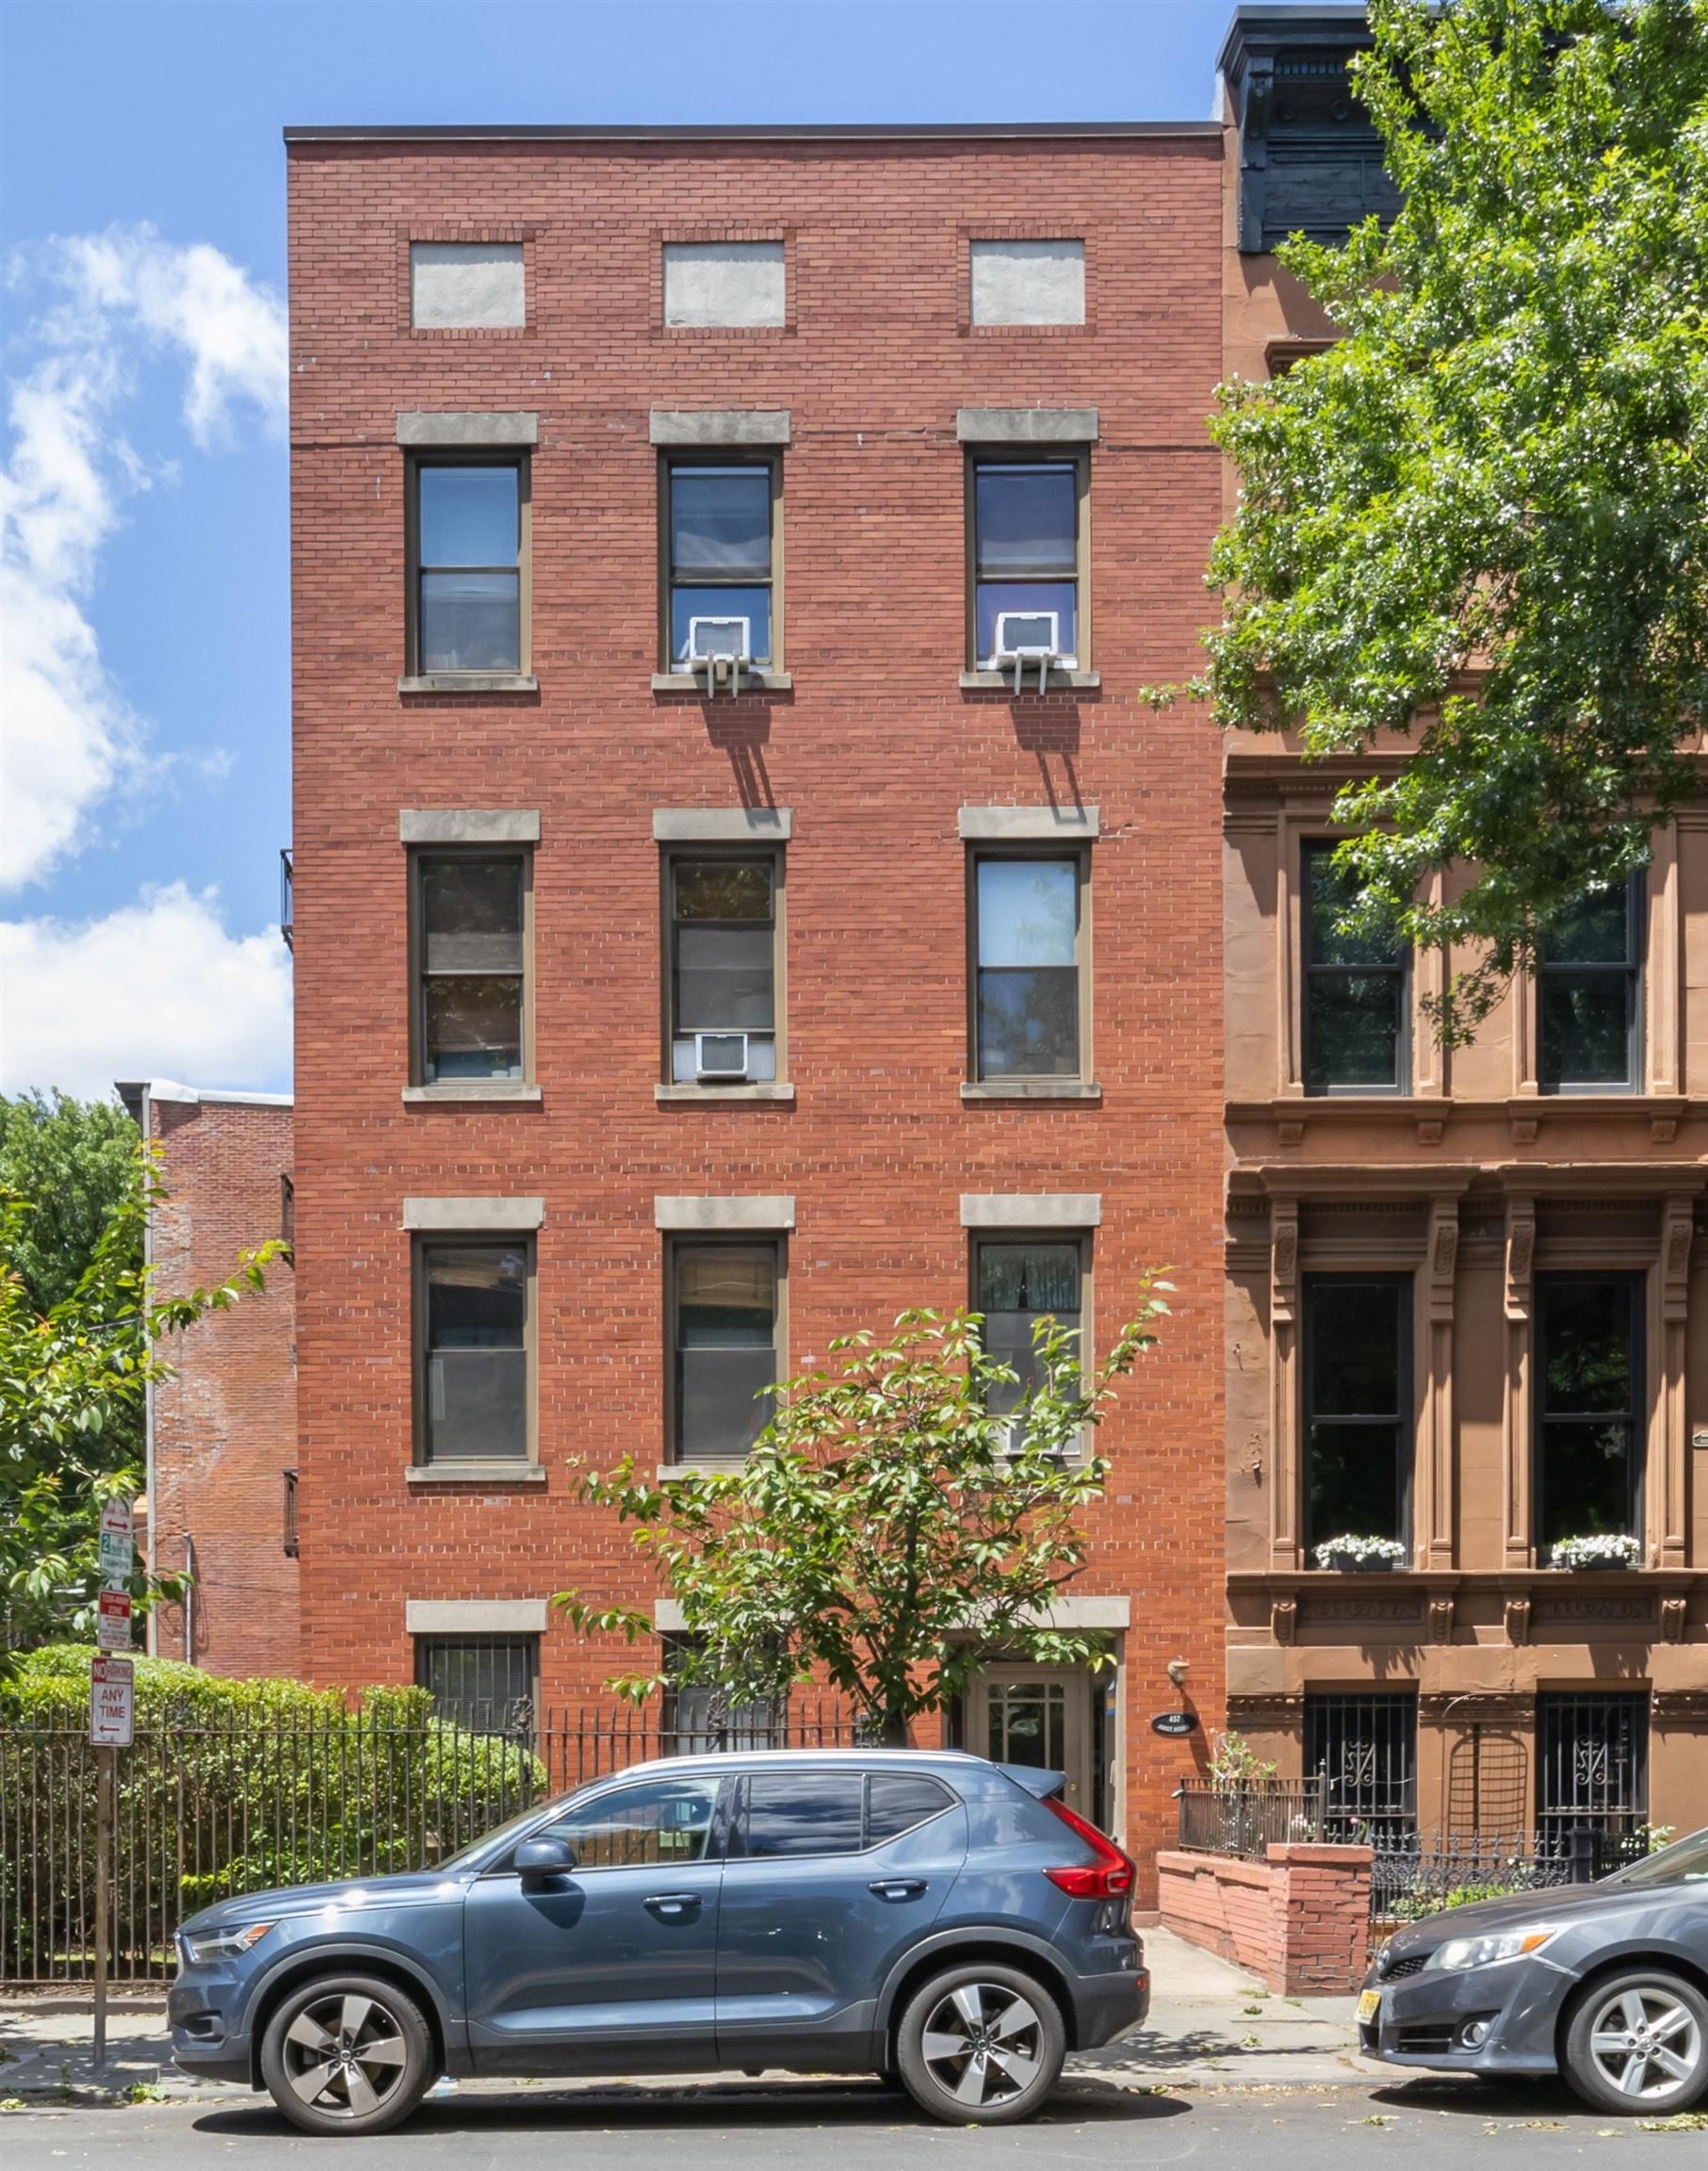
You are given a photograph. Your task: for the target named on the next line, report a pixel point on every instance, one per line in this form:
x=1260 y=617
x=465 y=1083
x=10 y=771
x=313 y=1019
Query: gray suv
x=947 y=1922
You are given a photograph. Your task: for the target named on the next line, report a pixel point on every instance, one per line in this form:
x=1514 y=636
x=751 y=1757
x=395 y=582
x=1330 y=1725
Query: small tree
x=892 y=1529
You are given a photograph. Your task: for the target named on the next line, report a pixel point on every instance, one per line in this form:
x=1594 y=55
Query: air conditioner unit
x=721 y=1055
x=1025 y=637
x=719 y=646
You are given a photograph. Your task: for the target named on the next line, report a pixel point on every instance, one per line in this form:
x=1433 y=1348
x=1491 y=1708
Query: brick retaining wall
x=1300 y=1920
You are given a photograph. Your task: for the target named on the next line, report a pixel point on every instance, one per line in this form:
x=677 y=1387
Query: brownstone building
x=739 y=890
x=1467 y=1293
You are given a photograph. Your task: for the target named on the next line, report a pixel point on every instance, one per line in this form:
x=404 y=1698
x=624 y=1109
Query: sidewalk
x=1211 y=2026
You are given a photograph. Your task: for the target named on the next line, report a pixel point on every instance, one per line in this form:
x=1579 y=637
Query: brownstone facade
x=875 y=1160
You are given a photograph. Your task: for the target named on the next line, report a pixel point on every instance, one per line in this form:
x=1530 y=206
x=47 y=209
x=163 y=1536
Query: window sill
x=449 y=1092
x=1031 y=1089
x=493 y=1477
x=470 y=682
x=694 y=682
x=673 y=1473
x=1003 y=681
x=684 y=1093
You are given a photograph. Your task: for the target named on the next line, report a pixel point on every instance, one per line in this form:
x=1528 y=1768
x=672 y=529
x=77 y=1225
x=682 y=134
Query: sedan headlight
x=220 y=1944
x=1501 y=1945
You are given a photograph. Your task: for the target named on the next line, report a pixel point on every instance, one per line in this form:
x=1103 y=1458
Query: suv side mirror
x=538 y=1861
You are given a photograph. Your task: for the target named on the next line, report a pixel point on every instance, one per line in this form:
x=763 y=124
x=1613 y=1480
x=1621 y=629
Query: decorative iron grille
x=1592 y=1766
x=1364 y=1750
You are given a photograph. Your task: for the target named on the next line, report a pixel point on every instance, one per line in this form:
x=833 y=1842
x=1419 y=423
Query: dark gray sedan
x=1605 y=1984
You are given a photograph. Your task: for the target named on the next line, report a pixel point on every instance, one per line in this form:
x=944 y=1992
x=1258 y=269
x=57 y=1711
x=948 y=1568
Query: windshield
x=1686 y=1862
x=469 y=1856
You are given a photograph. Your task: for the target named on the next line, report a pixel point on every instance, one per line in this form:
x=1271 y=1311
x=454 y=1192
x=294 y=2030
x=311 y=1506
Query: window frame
x=1401 y=970
x=676 y=1241
x=670 y=856
x=421 y=1242
x=527 y=1642
x=738 y=1804
x=1406 y=1423
x=1635 y=1284
x=1078 y=457
x=416 y=857
x=1083 y=1240
x=1634 y=971
x=417 y=459
x=769 y=458
x=1022 y=1082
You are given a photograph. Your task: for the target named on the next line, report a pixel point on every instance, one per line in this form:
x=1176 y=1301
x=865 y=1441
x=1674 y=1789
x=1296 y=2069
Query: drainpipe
x=190 y=1599
x=139 y=1105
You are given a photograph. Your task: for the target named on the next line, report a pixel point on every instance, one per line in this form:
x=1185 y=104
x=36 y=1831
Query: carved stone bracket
x=1672 y=1620
x=1521 y=1251
x=1284 y=1619
x=1516 y=1616
x=1441 y=1620
x=1678 y=1228
x=1283 y=1257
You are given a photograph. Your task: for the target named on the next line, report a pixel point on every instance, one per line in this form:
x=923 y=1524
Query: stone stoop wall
x=1300 y=1920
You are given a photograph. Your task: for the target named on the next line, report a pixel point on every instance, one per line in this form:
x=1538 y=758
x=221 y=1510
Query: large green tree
x=1480 y=519
x=74 y=1161
x=903 y=1520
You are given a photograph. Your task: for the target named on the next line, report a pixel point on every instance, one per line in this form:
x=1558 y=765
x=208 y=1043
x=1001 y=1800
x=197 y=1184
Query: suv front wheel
x=347 y=2054
x=981 y=2045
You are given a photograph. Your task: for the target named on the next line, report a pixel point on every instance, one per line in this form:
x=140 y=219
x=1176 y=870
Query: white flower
x=1333 y=1552
x=1606 y=1551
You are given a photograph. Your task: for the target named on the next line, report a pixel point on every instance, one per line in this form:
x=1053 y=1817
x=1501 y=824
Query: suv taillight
x=1110 y=1877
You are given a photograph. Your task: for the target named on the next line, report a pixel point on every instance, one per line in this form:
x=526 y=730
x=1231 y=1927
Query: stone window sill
x=694 y=682
x=1003 y=681
x=450 y=1092
x=492 y=1477
x=682 y=1093
x=470 y=682
x=673 y=1473
x=1031 y=1089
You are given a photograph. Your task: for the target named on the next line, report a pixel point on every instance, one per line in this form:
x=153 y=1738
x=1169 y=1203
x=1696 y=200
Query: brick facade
x=874 y=750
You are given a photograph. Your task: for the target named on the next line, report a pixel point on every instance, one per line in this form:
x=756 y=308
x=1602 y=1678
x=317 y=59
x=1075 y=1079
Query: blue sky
x=144 y=759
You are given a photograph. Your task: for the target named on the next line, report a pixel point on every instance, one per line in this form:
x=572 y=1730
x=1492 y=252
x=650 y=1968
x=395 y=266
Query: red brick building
x=659 y=1018
x=223 y=1432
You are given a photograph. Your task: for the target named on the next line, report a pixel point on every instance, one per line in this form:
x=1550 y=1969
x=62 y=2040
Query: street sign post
x=112 y=1709
x=111 y=1703
x=118 y=1542
x=112 y=1621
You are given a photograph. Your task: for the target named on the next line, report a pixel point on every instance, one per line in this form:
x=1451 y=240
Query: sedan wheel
x=347 y=2055
x=1641 y=2043
x=981 y=2045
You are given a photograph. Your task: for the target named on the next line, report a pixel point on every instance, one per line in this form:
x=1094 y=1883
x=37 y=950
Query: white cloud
x=71 y=739
x=156 y=990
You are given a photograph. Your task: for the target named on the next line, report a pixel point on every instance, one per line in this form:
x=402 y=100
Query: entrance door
x=1039 y=1715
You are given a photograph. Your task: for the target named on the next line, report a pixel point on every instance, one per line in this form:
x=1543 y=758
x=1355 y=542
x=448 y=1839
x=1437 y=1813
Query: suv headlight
x=1501 y=1945
x=220 y=1944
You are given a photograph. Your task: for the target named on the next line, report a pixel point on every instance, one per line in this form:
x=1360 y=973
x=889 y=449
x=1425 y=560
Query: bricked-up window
x=473 y=1330
x=723 y=967
x=720 y=539
x=1355 y=992
x=1591 y=1036
x=1591 y=1765
x=723 y=1342
x=1026 y=558
x=466 y=285
x=1358 y=1395
x=730 y=285
x=1029 y=978
x=1028 y=282
x=1018 y=1282
x=481 y=1682
x=1364 y=1747
x=468 y=537
x=471 y=945
x=1589 y=1331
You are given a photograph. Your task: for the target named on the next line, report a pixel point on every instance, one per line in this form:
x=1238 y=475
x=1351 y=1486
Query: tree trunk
x=893 y=1732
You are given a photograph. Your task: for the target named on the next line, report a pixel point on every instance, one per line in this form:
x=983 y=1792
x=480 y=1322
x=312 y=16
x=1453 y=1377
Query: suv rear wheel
x=347 y=2054
x=1639 y=2042
x=981 y=2045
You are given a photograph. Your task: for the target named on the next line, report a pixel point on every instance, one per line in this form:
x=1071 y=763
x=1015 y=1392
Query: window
x=468 y=552
x=1588 y=1398
x=723 y=1330
x=1018 y=1284
x=471 y=933
x=1029 y=987
x=478 y=1681
x=699 y=1718
x=1355 y=992
x=739 y=285
x=472 y=1308
x=1028 y=282
x=723 y=967
x=463 y=285
x=804 y=1813
x=720 y=538
x=1590 y=1012
x=1364 y=1747
x=1357 y=1395
x=668 y=1822
x=1592 y=1767
x=1026 y=552
x=895 y=1802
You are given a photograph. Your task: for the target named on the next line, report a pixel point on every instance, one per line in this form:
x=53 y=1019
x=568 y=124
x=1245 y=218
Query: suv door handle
x=672 y=1906
x=898 y=1888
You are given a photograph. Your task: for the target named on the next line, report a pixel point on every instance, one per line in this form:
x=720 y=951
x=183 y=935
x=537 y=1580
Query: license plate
x=1370 y=2009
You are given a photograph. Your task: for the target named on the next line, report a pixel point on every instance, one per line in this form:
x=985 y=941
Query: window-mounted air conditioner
x=1024 y=637
x=721 y=1057
x=719 y=646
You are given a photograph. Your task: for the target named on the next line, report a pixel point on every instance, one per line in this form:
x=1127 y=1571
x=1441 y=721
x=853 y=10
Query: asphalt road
x=1421 y=2126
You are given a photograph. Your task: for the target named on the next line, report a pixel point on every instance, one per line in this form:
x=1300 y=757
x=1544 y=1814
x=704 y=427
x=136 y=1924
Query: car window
x=897 y=1801
x=654 y=1820
x=1686 y=1862
x=804 y=1813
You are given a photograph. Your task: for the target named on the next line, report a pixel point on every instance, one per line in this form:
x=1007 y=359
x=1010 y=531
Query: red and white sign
x=112 y=1621
x=111 y=1703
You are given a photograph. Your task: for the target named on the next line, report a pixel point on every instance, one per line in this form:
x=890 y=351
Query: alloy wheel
x=1645 y=2043
x=981 y=2044
x=345 y=2055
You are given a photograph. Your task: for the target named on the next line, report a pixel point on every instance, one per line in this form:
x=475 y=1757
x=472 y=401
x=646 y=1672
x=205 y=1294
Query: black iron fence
x=1248 y=1820
x=216 y=1807
x=1412 y=1879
